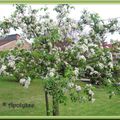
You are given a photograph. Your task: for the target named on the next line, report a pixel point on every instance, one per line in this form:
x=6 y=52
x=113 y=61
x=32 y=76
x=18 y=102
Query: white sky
x=106 y=11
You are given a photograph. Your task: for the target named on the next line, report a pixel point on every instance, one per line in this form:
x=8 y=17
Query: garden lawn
x=13 y=92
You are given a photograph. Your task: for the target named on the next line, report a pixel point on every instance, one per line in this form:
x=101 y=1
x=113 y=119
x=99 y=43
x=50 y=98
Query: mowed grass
x=13 y=92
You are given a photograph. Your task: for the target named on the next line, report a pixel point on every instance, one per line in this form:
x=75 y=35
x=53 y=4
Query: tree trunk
x=47 y=103
x=55 y=107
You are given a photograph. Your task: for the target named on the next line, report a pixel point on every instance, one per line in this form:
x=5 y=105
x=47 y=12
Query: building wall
x=26 y=45
x=12 y=45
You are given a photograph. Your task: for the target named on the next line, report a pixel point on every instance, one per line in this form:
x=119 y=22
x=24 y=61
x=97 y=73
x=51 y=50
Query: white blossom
x=81 y=57
x=93 y=100
x=110 y=64
x=78 y=88
x=27 y=82
x=101 y=65
x=86 y=41
x=3 y=68
x=103 y=58
x=50 y=44
x=76 y=71
x=113 y=27
x=100 y=25
x=11 y=64
x=113 y=93
x=91 y=93
x=29 y=78
x=110 y=55
x=92 y=51
x=92 y=45
x=88 y=85
x=83 y=48
x=71 y=84
x=94 y=72
x=11 y=58
x=52 y=72
x=22 y=81
x=87 y=18
x=86 y=30
x=5 y=73
x=109 y=74
x=89 y=68
x=109 y=81
x=66 y=63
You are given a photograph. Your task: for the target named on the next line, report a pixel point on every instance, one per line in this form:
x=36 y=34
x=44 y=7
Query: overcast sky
x=106 y=11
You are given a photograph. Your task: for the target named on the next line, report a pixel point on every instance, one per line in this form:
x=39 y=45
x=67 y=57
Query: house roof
x=10 y=42
x=8 y=38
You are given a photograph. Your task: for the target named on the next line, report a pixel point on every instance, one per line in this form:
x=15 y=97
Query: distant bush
x=8 y=78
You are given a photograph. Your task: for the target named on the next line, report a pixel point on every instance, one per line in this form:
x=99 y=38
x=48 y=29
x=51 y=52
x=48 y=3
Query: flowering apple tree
x=62 y=53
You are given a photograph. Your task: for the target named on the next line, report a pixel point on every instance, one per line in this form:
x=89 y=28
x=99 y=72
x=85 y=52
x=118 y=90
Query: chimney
x=17 y=36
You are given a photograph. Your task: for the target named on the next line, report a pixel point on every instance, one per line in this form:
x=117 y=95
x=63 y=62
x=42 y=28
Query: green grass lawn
x=13 y=92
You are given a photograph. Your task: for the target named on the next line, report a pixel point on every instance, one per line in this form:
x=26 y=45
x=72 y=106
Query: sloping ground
x=13 y=92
